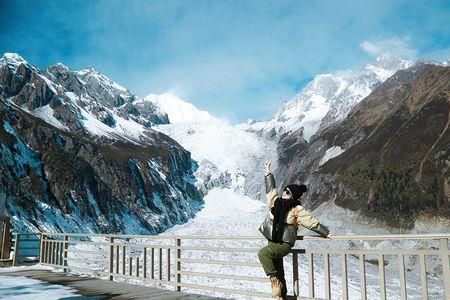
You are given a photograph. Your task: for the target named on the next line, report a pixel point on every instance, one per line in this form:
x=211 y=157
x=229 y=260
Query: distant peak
x=61 y=65
x=426 y=61
x=388 y=61
x=89 y=70
x=13 y=58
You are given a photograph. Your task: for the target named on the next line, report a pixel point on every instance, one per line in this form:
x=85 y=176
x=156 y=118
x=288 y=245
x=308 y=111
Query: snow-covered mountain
x=228 y=156
x=78 y=154
x=327 y=99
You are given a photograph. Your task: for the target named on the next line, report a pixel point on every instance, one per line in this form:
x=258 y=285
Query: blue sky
x=236 y=59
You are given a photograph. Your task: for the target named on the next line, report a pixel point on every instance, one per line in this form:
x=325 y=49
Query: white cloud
x=398 y=46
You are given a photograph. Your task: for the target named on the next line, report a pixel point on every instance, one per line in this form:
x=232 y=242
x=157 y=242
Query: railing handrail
x=428 y=236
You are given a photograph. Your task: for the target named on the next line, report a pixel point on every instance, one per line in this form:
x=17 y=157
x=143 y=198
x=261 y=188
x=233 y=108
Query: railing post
x=6 y=234
x=178 y=264
x=311 y=274
x=65 y=250
x=402 y=274
x=124 y=252
x=382 y=277
x=160 y=264
x=144 y=264
x=111 y=258
x=362 y=273
x=445 y=267
x=41 y=248
x=326 y=270
x=168 y=263
x=295 y=274
x=344 y=276
x=423 y=276
x=16 y=249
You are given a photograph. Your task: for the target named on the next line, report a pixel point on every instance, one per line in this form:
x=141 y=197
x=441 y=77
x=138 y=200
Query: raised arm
x=271 y=191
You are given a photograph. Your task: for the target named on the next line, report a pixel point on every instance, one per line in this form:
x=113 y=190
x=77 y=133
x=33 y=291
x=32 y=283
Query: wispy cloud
x=397 y=46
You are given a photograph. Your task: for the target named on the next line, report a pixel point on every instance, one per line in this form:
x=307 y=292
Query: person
x=286 y=212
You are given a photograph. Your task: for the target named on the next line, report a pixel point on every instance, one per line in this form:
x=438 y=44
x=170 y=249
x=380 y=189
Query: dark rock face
x=396 y=164
x=58 y=176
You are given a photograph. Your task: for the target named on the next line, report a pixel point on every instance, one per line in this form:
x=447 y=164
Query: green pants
x=271 y=258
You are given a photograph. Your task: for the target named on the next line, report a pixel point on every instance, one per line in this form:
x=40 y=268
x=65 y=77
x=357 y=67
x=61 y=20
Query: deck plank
x=88 y=286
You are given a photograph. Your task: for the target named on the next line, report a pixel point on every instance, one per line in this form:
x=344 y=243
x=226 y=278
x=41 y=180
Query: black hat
x=296 y=190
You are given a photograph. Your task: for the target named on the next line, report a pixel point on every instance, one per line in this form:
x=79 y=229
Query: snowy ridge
x=327 y=99
x=178 y=110
x=94 y=101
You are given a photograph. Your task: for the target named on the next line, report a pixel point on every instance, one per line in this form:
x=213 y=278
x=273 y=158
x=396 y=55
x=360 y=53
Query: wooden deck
x=105 y=289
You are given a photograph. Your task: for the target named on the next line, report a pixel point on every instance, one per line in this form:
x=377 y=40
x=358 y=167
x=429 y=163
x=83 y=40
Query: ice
x=20 y=287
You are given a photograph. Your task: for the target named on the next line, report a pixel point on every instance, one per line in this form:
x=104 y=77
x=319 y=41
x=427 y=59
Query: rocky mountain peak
x=12 y=58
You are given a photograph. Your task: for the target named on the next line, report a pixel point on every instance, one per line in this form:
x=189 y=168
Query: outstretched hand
x=267 y=165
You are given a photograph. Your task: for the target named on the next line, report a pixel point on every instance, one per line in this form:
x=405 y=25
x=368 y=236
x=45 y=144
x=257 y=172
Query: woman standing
x=286 y=212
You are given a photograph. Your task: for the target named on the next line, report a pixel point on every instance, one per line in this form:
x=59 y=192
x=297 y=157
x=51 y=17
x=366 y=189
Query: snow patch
x=331 y=153
x=46 y=113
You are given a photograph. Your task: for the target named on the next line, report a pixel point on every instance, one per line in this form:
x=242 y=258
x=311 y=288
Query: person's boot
x=276 y=286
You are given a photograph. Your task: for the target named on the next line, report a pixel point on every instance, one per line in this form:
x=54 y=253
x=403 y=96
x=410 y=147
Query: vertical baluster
x=16 y=250
x=326 y=268
x=41 y=248
x=295 y=287
x=61 y=253
x=178 y=263
x=123 y=259
x=401 y=268
x=117 y=258
x=47 y=252
x=168 y=263
x=130 y=265
x=66 y=250
x=56 y=252
x=137 y=266
x=344 y=276
x=445 y=267
x=362 y=271
x=311 y=274
x=382 y=277
x=144 y=271
x=160 y=263
x=60 y=246
x=111 y=258
x=423 y=276
x=52 y=252
x=152 y=263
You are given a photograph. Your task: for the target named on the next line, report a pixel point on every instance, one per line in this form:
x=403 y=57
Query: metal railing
x=26 y=247
x=162 y=260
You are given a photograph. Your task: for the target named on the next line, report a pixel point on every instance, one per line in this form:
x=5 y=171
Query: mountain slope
x=73 y=159
x=396 y=164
